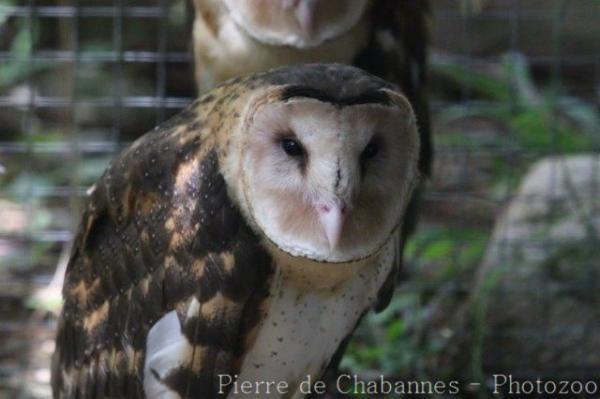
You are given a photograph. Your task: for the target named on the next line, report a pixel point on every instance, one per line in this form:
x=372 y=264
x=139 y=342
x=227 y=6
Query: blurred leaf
x=538 y=130
x=24 y=185
x=479 y=83
x=20 y=50
x=437 y=250
x=522 y=87
x=395 y=330
x=19 y=66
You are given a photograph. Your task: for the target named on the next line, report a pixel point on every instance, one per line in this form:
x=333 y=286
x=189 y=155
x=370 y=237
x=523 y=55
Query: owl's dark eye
x=371 y=150
x=292 y=147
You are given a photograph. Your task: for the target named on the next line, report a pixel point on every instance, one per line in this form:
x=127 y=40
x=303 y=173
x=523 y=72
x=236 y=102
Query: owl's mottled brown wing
x=160 y=241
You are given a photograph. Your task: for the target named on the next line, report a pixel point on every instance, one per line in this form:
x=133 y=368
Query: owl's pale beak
x=332 y=216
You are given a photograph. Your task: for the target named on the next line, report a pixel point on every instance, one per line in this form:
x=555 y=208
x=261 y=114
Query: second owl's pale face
x=326 y=182
x=298 y=23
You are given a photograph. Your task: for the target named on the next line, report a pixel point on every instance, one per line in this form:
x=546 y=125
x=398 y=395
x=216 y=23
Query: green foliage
x=19 y=66
x=543 y=121
x=476 y=82
x=455 y=247
x=15 y=69
x=507 y=111
x=538 y=130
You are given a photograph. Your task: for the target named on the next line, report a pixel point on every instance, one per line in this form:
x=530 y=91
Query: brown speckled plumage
x=159 y=231
x=160 y=234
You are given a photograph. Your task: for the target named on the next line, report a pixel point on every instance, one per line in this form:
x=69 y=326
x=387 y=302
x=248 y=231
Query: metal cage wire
x=76 y=102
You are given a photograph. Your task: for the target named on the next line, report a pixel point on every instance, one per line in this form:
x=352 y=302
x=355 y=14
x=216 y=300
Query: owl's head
x=298 y=23
x=328 y=159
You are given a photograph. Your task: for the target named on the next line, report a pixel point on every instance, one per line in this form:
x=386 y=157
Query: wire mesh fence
x=512 y=82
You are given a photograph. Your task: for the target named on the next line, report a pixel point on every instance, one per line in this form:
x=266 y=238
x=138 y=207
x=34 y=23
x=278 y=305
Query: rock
x=539 y=285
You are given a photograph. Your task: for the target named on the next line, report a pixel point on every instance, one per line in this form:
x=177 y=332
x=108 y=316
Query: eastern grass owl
x=247 y=236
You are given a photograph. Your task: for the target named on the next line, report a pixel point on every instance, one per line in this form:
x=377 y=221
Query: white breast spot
x=166 y=349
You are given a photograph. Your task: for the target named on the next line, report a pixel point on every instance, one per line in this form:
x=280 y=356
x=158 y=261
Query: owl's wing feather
x=165 y=281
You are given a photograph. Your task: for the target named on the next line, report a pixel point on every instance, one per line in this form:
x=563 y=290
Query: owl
x=244 y=238
x=387 y=38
